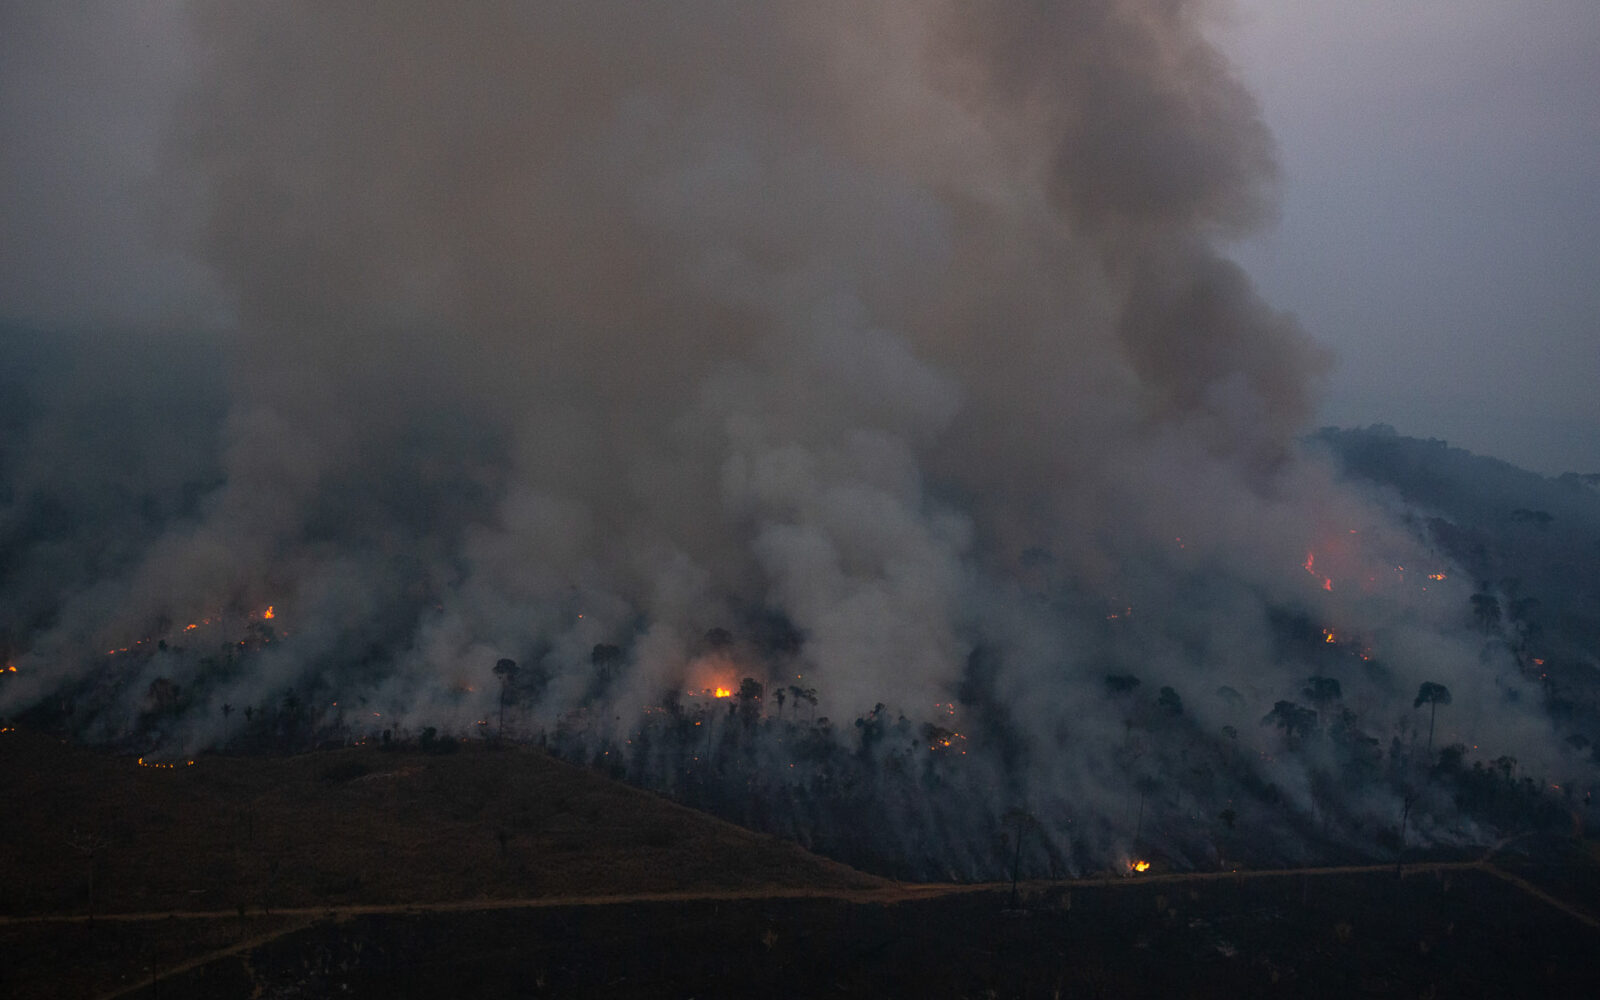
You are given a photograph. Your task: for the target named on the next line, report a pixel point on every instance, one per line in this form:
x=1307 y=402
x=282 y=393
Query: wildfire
x=1328 y=636
x=1437 y=576
x=11 y=668
x=163 y=764
x=269 y=613
x=1138 y=866
x=1310 y=566
x=713 y=675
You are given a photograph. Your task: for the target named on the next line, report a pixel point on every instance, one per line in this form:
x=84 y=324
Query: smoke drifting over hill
x=894 y=339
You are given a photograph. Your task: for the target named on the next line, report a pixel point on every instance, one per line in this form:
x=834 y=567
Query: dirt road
x=301 y=917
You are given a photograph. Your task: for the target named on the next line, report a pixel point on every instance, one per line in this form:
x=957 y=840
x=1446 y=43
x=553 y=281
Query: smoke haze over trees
x=885 y=356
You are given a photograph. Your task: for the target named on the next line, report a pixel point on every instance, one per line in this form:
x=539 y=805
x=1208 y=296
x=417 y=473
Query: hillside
x=358 y=825
x=367 y=872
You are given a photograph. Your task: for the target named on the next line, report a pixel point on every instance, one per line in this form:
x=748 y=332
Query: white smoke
x=612 y=324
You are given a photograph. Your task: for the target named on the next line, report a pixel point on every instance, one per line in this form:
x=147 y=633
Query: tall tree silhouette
x=1433 y=695
x=506 y=670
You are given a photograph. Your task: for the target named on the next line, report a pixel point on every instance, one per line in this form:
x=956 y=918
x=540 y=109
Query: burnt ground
x=1451 y=931
x=391 y=880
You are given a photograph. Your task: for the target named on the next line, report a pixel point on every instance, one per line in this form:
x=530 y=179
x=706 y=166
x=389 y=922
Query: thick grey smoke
x=905 y=325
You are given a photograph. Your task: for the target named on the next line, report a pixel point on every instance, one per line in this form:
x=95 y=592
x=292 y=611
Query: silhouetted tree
x=290 y=719
x=1145 y=784
x=749 y=698
x=1408 y=799
x=807 y=695
x=163 y=695
x=506 y=670
x=1433 y=695
x=605 y=657
x=1486 y=608
x=1020 y=820
x=1120 y=683
x=1169 y=700
x=871 y=726
x=1294 y=720
x=1321 y=692
x=89 y=846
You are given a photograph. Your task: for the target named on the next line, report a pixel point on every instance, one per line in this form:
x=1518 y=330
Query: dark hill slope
x=1531 y=542
x=358 y=825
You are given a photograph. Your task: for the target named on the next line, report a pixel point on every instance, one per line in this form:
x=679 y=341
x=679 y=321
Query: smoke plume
x=898 y=341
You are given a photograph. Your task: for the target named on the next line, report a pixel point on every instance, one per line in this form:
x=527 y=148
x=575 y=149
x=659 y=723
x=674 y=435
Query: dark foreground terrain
x=503 y=873
x=1457 y=932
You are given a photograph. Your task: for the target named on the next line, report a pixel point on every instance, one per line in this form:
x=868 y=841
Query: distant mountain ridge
x=1531 y=542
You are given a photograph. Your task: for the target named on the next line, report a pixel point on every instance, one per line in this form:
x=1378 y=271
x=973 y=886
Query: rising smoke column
x=595 y=324
x=743 y=296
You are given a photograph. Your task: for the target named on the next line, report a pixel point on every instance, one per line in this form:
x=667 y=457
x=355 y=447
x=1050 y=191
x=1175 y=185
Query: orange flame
x=722 y=692
x=269 y=613
x=1139 y=866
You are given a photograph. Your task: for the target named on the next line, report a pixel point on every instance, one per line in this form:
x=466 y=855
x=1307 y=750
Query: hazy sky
x=1440 y=224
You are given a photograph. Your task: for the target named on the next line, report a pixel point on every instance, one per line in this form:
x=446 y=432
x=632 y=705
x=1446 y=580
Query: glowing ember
x=1437 y=576
x=163 y=764
x=1310 y=566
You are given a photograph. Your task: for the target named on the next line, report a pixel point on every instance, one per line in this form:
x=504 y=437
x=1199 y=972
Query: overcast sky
x=1440 y=224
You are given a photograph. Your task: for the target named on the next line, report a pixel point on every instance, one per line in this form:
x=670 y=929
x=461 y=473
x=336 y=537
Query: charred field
x=1428 y=934
x=505 y=872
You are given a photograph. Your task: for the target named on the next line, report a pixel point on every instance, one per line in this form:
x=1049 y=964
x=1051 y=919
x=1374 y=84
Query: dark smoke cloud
x=905 y=325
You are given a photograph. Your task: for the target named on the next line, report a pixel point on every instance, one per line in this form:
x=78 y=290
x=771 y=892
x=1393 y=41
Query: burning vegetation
x=921 y=435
